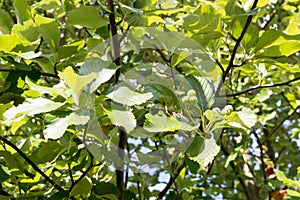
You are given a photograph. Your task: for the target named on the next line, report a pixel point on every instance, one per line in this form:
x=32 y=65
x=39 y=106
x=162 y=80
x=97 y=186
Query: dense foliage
x=187 y=99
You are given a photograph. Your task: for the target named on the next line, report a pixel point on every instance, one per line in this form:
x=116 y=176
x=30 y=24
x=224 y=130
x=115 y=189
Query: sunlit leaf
x=31 y=107
x=119 y=116
x=161 y=123
x=76 y=82
x=203 y=150
x=56 y=129
x=128 y=97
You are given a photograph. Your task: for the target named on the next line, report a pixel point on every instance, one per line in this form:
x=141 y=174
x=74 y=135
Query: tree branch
x=287 y=83
x=114 y=32
x=122 y=137
x=42 y=73
x=84 y=173
x=263 y=164
x=34 y=166
x=171 y=181
x=279 y=125
x=235 y=48
x=275 y=11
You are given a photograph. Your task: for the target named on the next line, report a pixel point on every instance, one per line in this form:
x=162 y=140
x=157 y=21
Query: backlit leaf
x=119 y=116
x=76 y=82
x=128 y=97
x=206 y=148
x=31 y=107
x=161 y=123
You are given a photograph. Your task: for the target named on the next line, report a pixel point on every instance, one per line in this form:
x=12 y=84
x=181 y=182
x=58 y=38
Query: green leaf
x=267 y=38
x=230 y=158
x=125 y=96
x=86 y=16
x=31 y=107
x=248 y=117
x=104 y=69
x=68 y=50
x=204 y=89
x=83 y=187
x=49 y=30
x=287 y=48
x=27 y=32
x=8 y=42
x=103 y=188
x=293 y=193
x=119 y=116
x=4 y=173
x=294 y=25
x=166 y=95
x=6 y=22
x=161 y=123
x=56 y=90
x=23 y=11
x=280 y=175
x=207 y=148
x=43 y=153
x=56 y=129
x=244 y=119
x=76 y=82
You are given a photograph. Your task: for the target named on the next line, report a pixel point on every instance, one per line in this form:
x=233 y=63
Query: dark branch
x=287 y=83
x=84 y=173
x=171 y=181
x=220 y=66
x=114 y=31
x=275 y=12
x=122 y=137
x=42 y=73
x=279 y=125
x=91 y=162
x=235 y=48
x=34 y=166
x=263 y=164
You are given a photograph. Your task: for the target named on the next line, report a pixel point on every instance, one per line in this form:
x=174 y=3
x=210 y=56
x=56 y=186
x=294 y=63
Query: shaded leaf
x=49 y=30
x=86 y=16
x=204 y=91
x=23 y=11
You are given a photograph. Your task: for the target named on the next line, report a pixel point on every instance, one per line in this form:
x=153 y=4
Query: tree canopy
x=158 y=99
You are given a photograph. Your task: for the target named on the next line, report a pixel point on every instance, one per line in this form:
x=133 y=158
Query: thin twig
x=91 y=161
x=287 y=83
x=70 y=173
x=282 y=94
x=279 y=125
x=263 y=164
x=171 y=181
x=275 y=11
x=235 y=48
x=28 y=160
x=42 y=73
x=220 y=66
